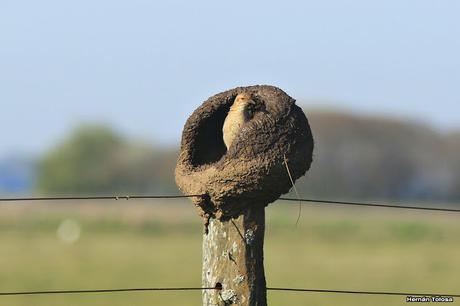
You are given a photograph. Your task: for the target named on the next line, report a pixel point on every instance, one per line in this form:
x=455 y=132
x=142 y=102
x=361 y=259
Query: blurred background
x=94 y=96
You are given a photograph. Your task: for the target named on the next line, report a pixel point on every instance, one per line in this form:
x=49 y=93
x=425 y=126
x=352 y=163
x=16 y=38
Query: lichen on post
x=236 y=184
x=233 y=257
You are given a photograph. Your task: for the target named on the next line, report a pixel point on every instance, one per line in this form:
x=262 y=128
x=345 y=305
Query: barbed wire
x=313 y=201
x=371 y=204
x=111 y=197
x=88 y=291
x=83 y=291
x=362 y=292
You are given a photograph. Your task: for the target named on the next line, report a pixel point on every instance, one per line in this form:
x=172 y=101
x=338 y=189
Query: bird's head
x=242 y=100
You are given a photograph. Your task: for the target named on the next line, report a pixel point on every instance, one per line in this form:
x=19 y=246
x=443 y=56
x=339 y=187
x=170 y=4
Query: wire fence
x=88 y=291
x=84 y=291
x=317 y=201
x=111 y=197
x=311 y=201
x=306 y=290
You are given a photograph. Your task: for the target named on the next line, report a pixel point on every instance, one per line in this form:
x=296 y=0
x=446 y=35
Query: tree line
x=355 y=157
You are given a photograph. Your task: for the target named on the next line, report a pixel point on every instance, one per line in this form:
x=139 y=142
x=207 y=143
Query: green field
x=151 y=244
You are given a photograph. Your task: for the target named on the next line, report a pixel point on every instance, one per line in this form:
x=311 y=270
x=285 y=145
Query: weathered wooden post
x=236 y=185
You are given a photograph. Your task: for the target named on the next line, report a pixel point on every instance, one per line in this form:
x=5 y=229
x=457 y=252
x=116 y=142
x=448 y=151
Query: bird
x=237 y=116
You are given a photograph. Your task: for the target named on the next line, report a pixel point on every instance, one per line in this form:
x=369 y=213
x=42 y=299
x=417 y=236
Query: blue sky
x=144 y=66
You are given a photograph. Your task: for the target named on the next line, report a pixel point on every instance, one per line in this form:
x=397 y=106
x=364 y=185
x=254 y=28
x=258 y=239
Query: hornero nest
x=252 y=171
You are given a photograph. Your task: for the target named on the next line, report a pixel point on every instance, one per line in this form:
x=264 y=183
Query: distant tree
x=96 y=160
x=453 y=165
x=360 y=157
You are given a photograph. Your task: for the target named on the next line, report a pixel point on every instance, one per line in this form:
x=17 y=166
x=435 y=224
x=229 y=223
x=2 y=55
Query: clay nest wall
x=252 y=171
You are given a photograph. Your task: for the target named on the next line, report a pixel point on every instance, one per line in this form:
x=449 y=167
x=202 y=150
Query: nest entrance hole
x=209 y=146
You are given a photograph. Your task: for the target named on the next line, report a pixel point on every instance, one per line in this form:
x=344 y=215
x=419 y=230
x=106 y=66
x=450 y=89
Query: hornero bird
x=238 y=115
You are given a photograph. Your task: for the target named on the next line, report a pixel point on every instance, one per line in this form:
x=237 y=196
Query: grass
x=136 y=244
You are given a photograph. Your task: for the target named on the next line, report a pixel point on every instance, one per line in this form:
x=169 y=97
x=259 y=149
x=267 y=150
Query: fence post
x=233 y=259
x=235 y=184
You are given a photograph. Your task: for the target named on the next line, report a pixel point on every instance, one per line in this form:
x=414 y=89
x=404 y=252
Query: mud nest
x=252 y=171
